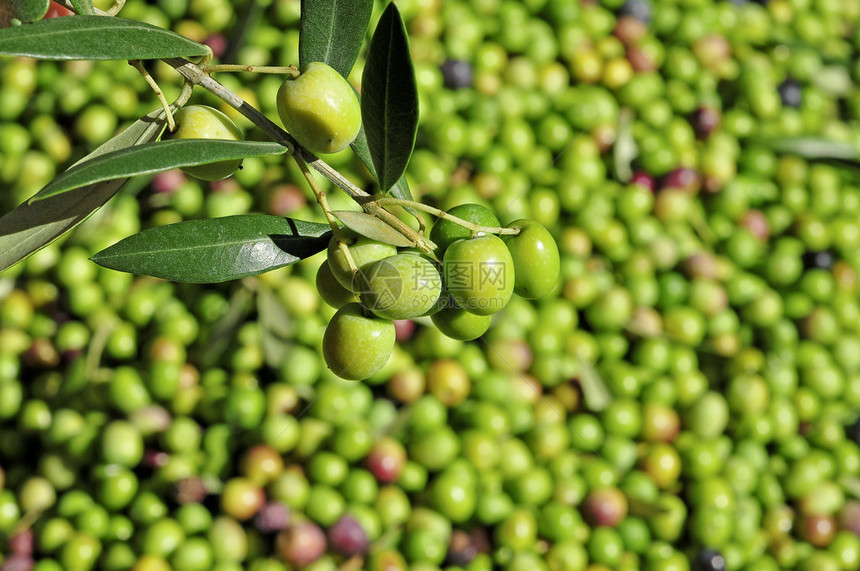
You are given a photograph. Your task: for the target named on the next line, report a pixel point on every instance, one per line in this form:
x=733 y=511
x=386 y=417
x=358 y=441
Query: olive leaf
x=389 y=99
x=840 y=154
x=151 y=158
x=594 y=391
x=362 y=151
x=624 y=150
x=84 y=7
x=31 y=226
x=276 y=327
x=372 y=227
x=96 y=38
x=217 y=249
x=333 y=32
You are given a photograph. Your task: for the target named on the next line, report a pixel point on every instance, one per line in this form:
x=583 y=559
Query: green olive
x=356 y=346
x=536 y=259
x=319 y=108
x=203 y=122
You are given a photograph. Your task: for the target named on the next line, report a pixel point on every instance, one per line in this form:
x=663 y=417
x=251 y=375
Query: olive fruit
x=319 y=108
x=536 y=259
x=330 y=289
x=444 y=232
x=457 y=323
x=204 y=122
x=356 y=346
x=363 y=251
x=479 y=274
x=400 y=287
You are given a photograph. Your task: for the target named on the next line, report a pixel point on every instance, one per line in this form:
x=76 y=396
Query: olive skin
x=330 y=290
x=400 y=287
x=204 y=122
x=444 y=232
x=457 y=323
x=479 y=274
x=319 y=108
x=363 y=250
x=355 y=346
x=536 y=259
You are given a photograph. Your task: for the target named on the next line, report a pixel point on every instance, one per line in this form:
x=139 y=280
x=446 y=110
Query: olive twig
x=475 y=228
x=136 y=64
x=195 y=74
x=318 y=193
x=236 y=68
x=323 y=202
x=117 y=6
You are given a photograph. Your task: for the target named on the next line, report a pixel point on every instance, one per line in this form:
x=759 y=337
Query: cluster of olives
x=317 y=106
x=478 y=274
x=479 y=271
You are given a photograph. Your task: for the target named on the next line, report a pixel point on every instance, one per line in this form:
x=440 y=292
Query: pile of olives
x=683 y=397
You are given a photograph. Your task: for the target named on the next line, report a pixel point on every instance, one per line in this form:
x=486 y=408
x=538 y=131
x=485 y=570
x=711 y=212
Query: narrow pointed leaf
x=216 y=339
x=594 y=391
x=372 y=227
x=389 y=99
x=359 y=146
x=96 y=38
x=216 y=249
x=333 y=32
x=625 y=149
x=844 y=155
x=276 y=326
x=812 y=148
x=31 y=226
x=153 y=158
x=83 y=7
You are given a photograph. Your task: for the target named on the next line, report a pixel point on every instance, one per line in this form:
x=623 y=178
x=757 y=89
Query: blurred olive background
x=687 y=398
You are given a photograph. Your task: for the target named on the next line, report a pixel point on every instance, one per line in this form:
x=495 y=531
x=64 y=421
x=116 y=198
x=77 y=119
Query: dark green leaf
x=372 y=227
x=153 y=158
x=217 y=249
x=359 y=146
x=389 y=99
x=95 y=37
x=31 y=226
x=333 y=32
x=83 y=7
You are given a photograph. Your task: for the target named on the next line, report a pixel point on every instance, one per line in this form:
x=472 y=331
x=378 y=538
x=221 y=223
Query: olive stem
x=318 y=193
x=450 y=217
x=197 y=76
x=117 y=6
x=234 y=68
x=323 y=202
x=194 y=74
x=136 y=64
